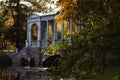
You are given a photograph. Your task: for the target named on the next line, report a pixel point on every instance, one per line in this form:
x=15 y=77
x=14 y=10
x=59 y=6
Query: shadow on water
x=28 y=71
x=9 y=74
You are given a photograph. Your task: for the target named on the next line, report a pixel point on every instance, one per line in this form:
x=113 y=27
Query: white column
x=80 y=26
x=70 y=32
x=27 y=41
x=16 y=50
x=47 y=25
x=39 y=31
x=30 y=39
x=39 y=35
x=28 y=32
x=54 y=33
x=55 y=30
x=62 y=34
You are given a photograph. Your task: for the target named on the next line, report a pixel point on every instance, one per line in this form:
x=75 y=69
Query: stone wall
x=28 y=53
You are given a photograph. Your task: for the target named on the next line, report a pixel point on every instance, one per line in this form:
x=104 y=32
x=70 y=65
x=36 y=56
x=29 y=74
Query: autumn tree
x=13 y=11
x=2 y=42
x=18 y=11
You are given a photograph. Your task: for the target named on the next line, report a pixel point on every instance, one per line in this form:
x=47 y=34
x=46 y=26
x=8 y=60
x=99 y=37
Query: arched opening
x=32 y=62
x=34 y=34
x=52 y=61
x=23 y=62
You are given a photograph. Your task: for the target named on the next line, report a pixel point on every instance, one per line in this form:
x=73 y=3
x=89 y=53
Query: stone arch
x=23 y=62
x=32 y=62
x=34 y=23
x=34 y=32
x=29 y=41
x=38 y=27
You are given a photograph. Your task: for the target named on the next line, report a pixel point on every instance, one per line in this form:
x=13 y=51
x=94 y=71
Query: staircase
x=27 y=53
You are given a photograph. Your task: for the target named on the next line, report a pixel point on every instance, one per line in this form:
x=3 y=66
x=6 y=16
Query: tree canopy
x=14 y=15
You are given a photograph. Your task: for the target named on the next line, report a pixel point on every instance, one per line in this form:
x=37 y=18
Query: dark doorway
x=23 y=62
x=32 y=62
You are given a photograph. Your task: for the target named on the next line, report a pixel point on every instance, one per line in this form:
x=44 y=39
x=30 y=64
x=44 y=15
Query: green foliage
x=116 y=77
x=53 y=51
x=5 y=60
x=85 y=55
x=14 y=31
x=97 y=42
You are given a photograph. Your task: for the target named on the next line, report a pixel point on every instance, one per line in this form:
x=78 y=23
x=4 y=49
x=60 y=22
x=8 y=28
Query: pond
x=24 y=73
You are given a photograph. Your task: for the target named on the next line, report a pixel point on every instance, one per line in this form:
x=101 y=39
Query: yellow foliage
x=34 y=30
x=67 y=10
x=9 y=22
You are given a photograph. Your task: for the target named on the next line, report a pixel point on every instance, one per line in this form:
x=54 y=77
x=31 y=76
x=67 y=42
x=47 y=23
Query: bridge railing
x=34 y=43
x=45 y=43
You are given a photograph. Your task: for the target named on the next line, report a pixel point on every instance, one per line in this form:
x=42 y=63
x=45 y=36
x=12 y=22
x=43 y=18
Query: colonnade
x=45 y=34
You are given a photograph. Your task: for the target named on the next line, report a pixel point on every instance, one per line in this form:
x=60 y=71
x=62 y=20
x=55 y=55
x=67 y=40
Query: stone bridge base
x=28 y=56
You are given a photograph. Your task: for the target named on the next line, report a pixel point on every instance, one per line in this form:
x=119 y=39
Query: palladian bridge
x=47 y=34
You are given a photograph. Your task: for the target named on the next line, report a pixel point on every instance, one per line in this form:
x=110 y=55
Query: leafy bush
x=5 y=60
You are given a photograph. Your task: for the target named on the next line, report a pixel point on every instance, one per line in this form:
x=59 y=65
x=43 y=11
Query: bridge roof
x=38 y=15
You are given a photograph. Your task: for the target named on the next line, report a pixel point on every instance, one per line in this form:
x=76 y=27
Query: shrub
x=5 y=60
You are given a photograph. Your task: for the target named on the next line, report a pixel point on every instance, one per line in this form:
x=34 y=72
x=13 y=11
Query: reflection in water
x=24 y=73
x=8 y=74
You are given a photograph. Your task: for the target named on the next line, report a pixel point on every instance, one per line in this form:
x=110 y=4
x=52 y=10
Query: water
x=23 y=73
